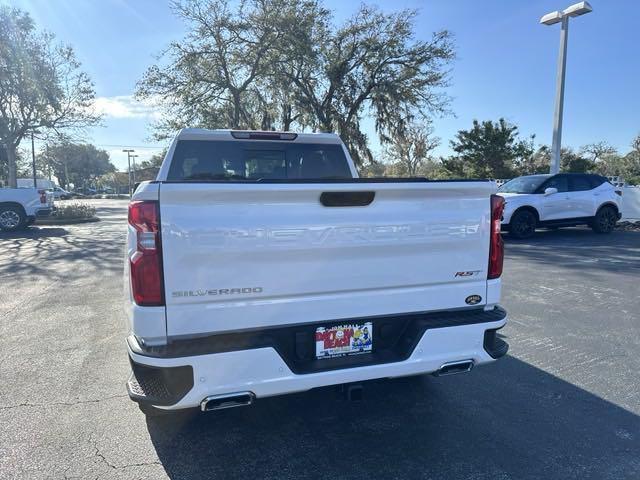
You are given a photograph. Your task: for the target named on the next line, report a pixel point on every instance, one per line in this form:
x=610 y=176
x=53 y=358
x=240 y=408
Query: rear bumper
x=175 y=382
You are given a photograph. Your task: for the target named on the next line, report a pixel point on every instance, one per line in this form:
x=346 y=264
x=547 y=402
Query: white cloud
x=126 y=106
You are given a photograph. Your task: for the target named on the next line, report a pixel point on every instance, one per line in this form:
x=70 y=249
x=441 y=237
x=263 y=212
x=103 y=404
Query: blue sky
x=505 y=66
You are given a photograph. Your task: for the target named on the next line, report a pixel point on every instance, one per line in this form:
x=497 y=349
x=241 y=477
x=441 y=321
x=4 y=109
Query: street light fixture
x=129 y=152
x=552 y=18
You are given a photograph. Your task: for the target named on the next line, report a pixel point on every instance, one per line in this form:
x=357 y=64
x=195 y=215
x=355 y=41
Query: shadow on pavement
x=57 y=253
x=579 y=248
x=34 y=233
x=507 y=420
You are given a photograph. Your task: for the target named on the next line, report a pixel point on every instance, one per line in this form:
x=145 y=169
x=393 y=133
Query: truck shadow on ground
x=506 y=420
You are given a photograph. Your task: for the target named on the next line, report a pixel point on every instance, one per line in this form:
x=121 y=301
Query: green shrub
x=74 y=210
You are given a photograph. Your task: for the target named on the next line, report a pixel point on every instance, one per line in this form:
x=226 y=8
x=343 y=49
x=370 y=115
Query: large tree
x=575 y=162
x=77 y=164
x=155 y=160
x=217 y=75
x=570 y=161
x=633 y=162
x=281 y=64
x=635 y=144
x=489 y=149
x=372 y=64
x=604 y=158
x=597 y=151
x=411 y=147
x=530 y=161
x=626 y=166
x=41 y=85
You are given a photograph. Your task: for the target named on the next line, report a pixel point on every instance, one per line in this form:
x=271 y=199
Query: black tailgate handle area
x=346 y=199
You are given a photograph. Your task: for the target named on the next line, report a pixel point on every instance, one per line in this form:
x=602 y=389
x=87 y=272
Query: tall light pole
x=33 y=162
x=133 y=160
x=128 y=152
x=552 y=18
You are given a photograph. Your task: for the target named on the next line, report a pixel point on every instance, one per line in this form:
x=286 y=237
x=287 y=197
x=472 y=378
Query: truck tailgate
x=248 y=255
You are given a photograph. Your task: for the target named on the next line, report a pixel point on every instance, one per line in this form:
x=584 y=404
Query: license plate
x=343 y=340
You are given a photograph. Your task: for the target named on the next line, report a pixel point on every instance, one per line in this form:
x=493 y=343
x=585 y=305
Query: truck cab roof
x=228 y=134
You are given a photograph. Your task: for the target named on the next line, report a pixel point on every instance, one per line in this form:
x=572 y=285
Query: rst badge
x=468 y=273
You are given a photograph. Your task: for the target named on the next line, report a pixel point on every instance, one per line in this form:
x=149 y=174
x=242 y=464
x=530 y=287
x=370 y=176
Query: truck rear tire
x=12 y=218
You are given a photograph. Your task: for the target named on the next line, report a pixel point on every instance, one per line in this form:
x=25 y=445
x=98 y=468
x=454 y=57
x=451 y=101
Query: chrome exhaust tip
x=227 y=400
x=451 y=368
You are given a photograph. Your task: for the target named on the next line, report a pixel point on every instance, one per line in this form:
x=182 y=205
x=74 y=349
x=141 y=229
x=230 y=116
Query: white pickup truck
x=20 y=207
x=259 y=264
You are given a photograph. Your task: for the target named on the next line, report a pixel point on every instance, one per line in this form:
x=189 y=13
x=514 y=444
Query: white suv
x=561 y=200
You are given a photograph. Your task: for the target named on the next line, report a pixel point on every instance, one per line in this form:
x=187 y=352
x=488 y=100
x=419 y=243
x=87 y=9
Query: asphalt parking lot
x=565 y=402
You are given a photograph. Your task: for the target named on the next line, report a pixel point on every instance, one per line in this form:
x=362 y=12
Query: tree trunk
x=12 y=176
x=236 y=110
x=66 y=176
x=326 y=125
x=286 y=118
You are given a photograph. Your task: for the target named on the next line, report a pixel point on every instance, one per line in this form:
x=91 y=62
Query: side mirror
x=550 y=191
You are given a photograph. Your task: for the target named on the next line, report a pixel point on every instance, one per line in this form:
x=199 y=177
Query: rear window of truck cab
x=206 y=160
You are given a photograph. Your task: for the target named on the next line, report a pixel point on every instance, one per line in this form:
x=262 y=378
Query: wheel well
x=13 y=204
x=608 y=204
x=528 y=208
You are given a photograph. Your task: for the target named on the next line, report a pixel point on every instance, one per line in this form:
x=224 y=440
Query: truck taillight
x=496 y=245
x=146 y=262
